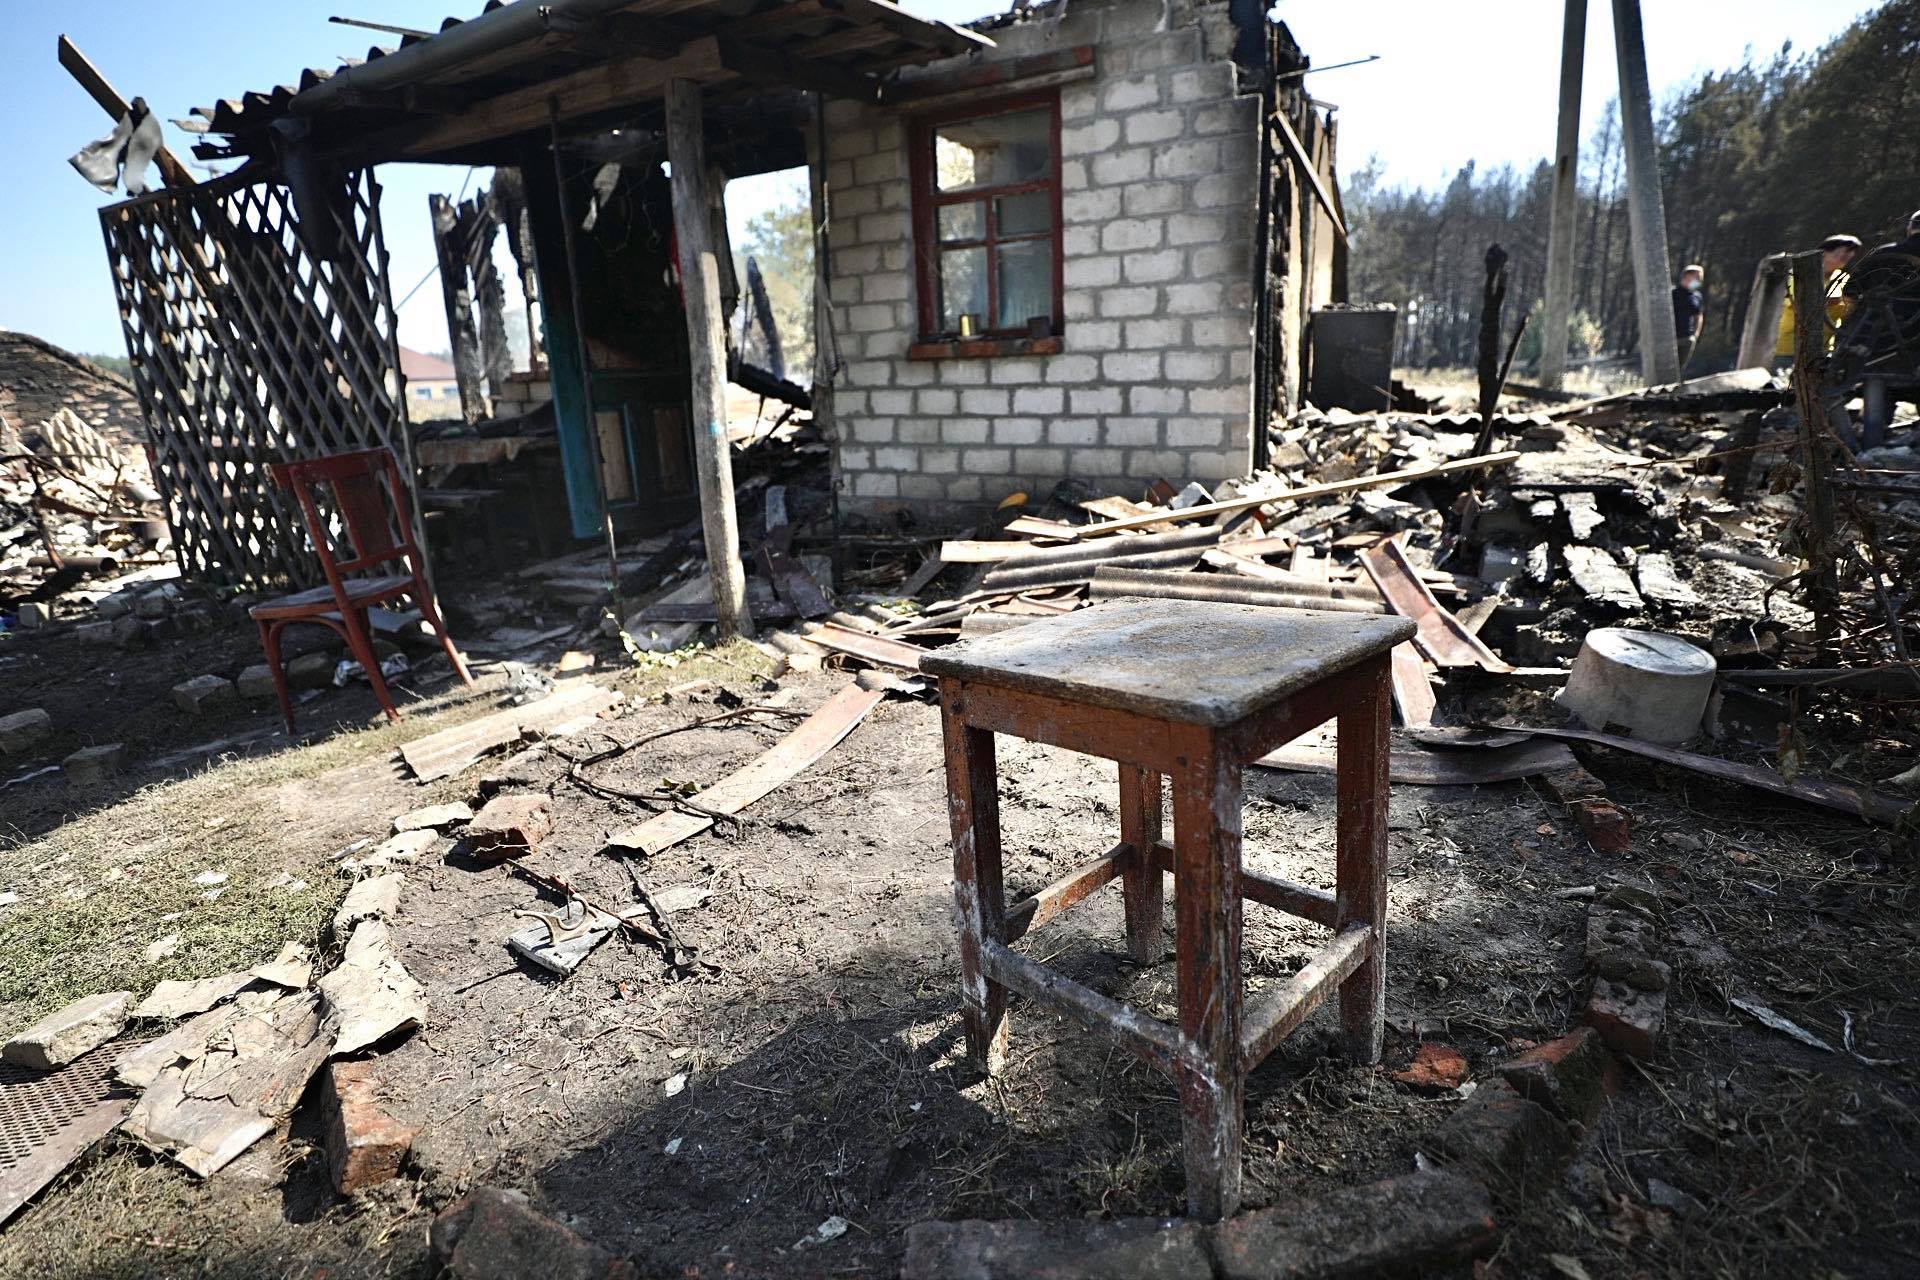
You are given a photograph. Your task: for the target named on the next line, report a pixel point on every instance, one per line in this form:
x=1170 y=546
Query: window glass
x=963 y=289
x=962 y=222
x=1025 y=271
x=1024 y=214
x=994 y=151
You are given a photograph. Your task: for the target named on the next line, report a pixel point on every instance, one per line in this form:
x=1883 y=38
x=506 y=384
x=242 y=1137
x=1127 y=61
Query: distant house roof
x=418 y=366
x=37 y=378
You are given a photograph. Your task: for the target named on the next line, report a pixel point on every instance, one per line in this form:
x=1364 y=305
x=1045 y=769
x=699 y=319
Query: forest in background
x=1769 y=156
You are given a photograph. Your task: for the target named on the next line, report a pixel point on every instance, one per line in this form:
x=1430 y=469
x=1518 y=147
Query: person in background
x=1689 y=306
x=1836 y=255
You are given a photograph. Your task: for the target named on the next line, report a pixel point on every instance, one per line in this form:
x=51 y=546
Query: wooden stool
x=1192 y=690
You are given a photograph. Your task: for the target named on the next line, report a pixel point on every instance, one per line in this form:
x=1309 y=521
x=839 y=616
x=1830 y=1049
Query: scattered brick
x=21 y=730
x=32 y=616
x=1570 y=1077
x=1627 y=1018
x=433 y=816
x=92 y=765
x=1435 y=1068
x=310 y=671
x=497 y=1235
x=365 y=1145
x=1570 y=785
x=256 y=683
x=1503 y=1136
x=1606 y=824
x=1420 y=1224
x=60 y=1037
x=510 y=825
x=204 y=694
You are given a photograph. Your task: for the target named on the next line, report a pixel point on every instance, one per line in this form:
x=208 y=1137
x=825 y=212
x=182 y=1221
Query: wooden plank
x=1127 y=1027
x=1419 y=767
x=451 y=751
x=795 y=585
x=707 y=354
x=970 y=551
x=172 y=172
x=1075 y=887
x=1298 y=151
x=1412 y=691
x=979 y=890
x=772 y=769
x=1441 y=636
x=1202 y=510
x=1601 y=578
x=1279 y=1012
x=1360 y=852
x=1142 y=823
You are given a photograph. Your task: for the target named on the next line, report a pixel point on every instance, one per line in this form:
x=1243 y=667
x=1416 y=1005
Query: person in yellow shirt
x=1836 y=255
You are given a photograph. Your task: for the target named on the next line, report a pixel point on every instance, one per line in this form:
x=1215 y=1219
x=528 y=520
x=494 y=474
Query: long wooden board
x=443 y=754
x=772 y=769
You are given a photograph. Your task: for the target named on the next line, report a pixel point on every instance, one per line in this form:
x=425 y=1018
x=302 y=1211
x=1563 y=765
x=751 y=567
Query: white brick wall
x=1159 y=182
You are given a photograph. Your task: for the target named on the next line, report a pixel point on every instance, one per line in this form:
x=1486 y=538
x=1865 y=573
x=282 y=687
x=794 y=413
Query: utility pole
x=707 y=347
x=1566 y=181
x=1646 y=214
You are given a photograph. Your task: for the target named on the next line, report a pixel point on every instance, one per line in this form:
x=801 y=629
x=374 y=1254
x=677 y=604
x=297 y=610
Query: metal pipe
x=1111 y=583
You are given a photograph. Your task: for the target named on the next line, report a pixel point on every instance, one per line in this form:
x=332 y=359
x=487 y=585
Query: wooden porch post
x=706 y=345
x=461 y=338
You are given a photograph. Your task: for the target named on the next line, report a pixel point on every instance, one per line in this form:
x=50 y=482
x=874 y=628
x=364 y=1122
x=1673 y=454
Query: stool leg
x=978 y=892
x=1361 y=878
x=1143 y=885
x=1206 y=901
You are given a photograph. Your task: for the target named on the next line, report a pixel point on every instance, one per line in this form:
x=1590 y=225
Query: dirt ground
x=813 y=1066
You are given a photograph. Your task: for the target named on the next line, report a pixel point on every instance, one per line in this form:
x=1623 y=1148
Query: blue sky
x=1431 y=103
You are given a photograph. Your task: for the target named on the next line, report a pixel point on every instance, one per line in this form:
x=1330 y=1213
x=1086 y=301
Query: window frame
x=927 y=202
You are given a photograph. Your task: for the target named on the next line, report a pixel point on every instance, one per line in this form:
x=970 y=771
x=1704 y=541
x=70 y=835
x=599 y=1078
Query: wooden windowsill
x=982 y=348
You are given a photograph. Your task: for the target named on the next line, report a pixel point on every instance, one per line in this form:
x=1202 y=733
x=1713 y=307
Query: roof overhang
x=464 y=91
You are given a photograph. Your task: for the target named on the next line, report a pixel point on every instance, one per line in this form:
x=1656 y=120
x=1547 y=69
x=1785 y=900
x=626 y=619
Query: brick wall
x=1159 y=161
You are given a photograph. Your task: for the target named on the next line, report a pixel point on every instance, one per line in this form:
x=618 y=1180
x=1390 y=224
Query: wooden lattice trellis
x=248 y=348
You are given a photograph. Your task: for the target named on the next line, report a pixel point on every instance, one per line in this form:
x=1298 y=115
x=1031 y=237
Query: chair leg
x=431 y=613
x=360 y=644
x=1206 y=903
x=1142 y=885
x=270 y=645
x=978 y=891
x=1360 y=895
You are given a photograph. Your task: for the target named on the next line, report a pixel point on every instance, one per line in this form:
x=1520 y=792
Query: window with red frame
x=986 y=208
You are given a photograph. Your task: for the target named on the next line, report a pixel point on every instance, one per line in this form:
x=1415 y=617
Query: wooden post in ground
x=706 y=345
x=464 y=342
x=1809 y=379
x=1646 y=210
x=1566 y=173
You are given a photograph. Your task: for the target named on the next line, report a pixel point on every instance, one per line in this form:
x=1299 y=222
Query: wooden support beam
x=1069 y=890
x=458 y=296
x=1300 y=900
x=758 y=62
x=1298 y=150
x=1283 y=1008
x=172 y=172
x=707 y=349
x=1126 y=1026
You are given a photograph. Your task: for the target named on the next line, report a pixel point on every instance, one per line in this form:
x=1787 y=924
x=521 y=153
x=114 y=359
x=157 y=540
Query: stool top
x=1192 y=661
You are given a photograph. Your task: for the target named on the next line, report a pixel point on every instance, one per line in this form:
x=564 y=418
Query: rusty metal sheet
x=49 y=1119
x=1442 y=637
x=878 y=650
x=1412 y=691
x=772 y=769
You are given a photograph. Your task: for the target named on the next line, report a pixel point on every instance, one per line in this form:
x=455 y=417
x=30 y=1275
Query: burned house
x=1087 y=252
x=1061 y=244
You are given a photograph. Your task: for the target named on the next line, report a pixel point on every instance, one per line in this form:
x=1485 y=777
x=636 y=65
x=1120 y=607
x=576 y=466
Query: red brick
x=1569 y=785
x=1568 y=1076
x=365 y=1145
x=510 y=825
x=1416 y=1225
x=1435 y=1067
x=1503 y=1136
x=497 y=1235
x=1627 y=1018
x=1606 y=824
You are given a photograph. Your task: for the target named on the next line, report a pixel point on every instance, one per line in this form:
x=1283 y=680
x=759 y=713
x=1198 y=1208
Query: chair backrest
x=368 y=500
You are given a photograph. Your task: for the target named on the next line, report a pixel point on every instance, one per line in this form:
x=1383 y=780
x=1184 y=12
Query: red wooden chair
x=379 y=529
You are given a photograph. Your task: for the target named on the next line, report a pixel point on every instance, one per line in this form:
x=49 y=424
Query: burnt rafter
x=755 y=61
